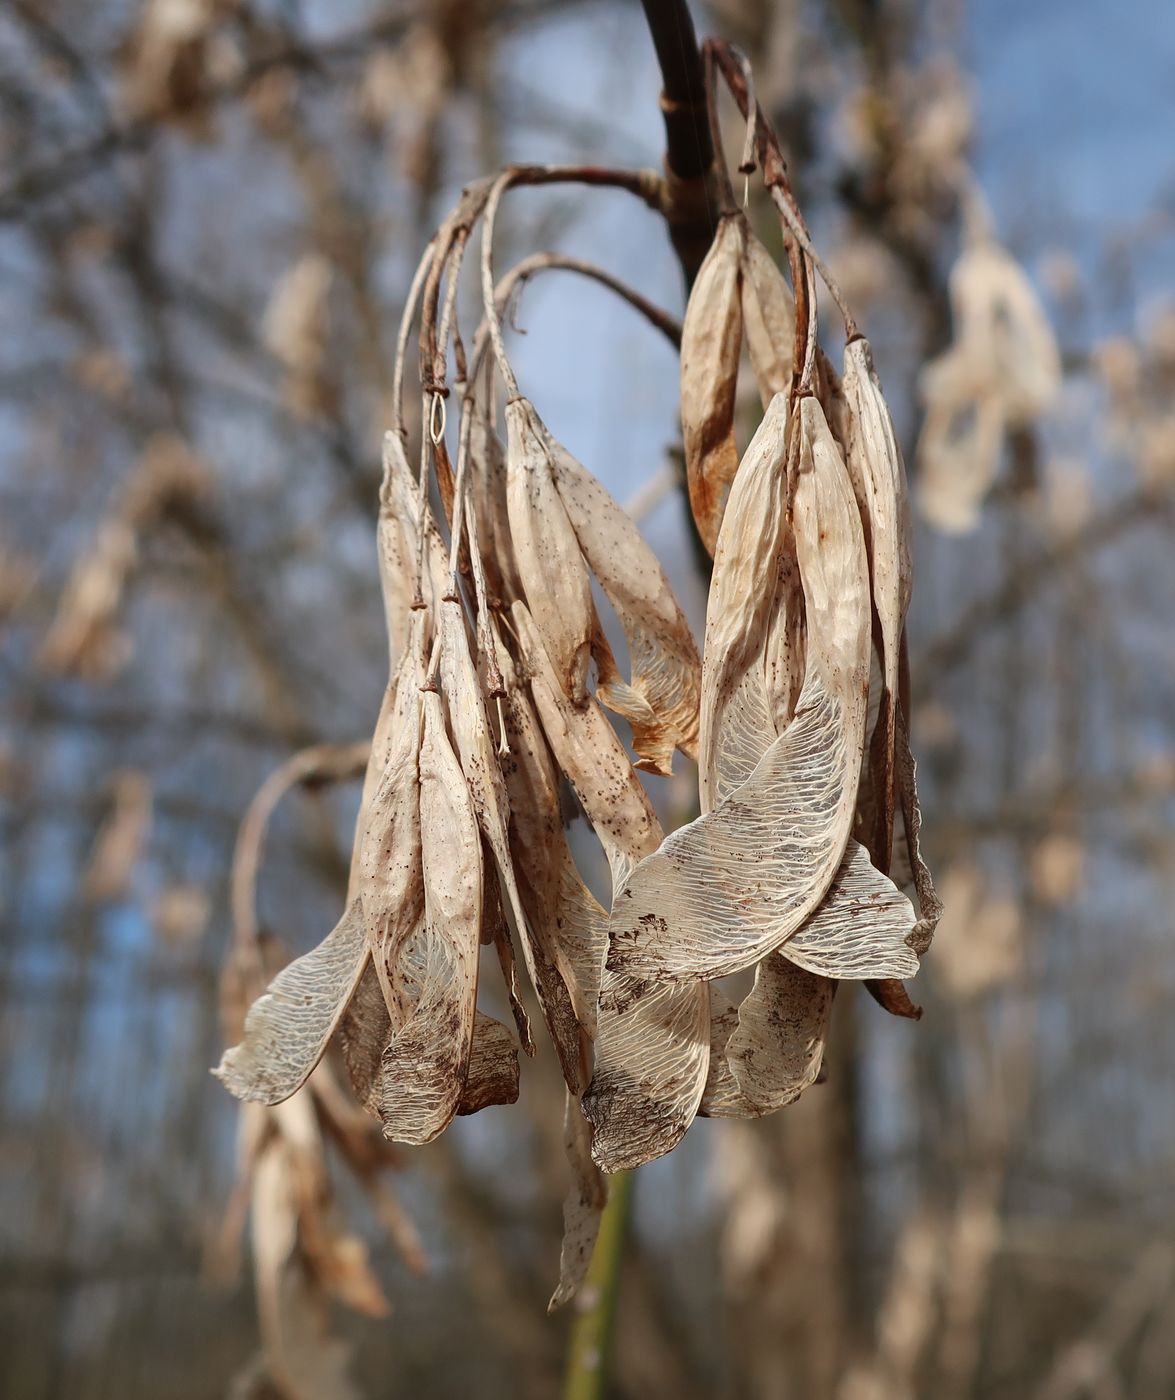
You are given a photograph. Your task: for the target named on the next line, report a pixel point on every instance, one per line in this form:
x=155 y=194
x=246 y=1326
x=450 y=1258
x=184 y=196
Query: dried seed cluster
x=499 y=705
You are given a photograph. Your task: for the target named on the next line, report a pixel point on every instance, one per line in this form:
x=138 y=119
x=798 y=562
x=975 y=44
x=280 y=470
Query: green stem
x=586 y=1377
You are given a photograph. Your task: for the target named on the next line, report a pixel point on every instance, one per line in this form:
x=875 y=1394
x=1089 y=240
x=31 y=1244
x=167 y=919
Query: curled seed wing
x=582 y=1206
x=652 y=1057
x=878 y=474
x=733 y=885
x=551 y=568
x=288 y=1027
x=495 y=930
x=390 y=875
x=424 y=1066
x=861 y=929
x=652 y=1047
x=776 y=1051
x=1000 y=321
x=734 y=702
x=711 y=341
x=487 y=498
x=491 y=1077
x=769 y=318
x=487 y=790
x=592 y=757
x=363 y=1035
x=555 y=897
x=397 y=562
x=661 y=700
x=786 y=647
x=890 y=993
x=723 y=1098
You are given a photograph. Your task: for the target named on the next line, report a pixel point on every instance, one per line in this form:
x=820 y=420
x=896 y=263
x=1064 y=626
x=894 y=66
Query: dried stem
x=645 y=184
x=320 y=762
x=586 y=1377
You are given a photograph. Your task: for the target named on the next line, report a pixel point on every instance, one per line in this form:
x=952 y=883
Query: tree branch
x=689 y=207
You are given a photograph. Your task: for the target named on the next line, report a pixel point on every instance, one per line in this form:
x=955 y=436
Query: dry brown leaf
x=554 y=577
x=711 y=342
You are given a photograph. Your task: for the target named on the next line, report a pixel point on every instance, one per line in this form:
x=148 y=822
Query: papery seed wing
x=711 y=342
x=652 y=1047
x=769 y=319
x=723 y=1098
x=288 y=1027
x=776 y=1051
x=487 y=498
x=651 y=1062
x=583 y=1205
x=785 y=650
x=553 y=893
x=592 y=757
x=666 y=669
x=552 y=570
x=487 y=790
x=875 y=466
x=397 y=562
x=889 y=992
x=731 y=886
x=735 y=713
x=491 y=1077
x=390 y=876
x=495 y=930
x=424 y=1066
x=862 y=927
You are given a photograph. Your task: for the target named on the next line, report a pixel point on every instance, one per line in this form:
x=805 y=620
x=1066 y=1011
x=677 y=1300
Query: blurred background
x=209 y=214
